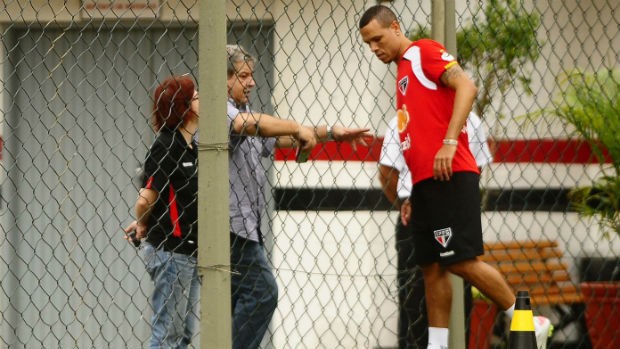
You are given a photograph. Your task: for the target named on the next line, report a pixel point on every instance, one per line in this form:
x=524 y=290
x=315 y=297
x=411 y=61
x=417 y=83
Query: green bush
x=496 y=47
x=591 y=103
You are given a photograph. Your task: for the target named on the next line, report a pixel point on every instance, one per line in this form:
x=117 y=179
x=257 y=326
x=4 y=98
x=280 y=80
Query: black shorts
x=445 y=219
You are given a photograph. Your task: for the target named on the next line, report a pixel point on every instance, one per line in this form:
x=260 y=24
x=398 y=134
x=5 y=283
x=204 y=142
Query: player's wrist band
x=449 y=141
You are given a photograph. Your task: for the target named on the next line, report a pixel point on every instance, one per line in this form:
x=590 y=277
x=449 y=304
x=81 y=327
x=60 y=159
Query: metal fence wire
x=76 y=87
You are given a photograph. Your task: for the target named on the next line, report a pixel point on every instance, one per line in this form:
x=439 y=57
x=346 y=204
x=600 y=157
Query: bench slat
x=553 y=290
x=532 y=278
x=532 y=267
x=518 y=255
x=524 y=244
x=565 y=298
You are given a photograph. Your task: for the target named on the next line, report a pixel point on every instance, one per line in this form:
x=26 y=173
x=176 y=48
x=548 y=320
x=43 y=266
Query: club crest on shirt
x=402 y=85
x=443 y=236
x=406 y=144
x=446 y=56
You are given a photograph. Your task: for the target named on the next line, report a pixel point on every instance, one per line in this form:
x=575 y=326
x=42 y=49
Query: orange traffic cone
x=522 y=333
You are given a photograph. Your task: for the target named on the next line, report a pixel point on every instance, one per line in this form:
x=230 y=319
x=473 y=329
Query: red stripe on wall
x=334 y=151
x=569 y=151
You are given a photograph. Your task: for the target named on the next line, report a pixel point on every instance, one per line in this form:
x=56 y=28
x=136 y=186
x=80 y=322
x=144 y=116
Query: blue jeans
x=176 y=297
x=254 y=293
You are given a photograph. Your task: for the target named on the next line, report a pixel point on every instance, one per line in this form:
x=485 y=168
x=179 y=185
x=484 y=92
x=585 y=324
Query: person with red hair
x=167 y=214
x=170 y=104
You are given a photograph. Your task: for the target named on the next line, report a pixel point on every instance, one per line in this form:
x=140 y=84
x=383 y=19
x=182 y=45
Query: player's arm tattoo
x=452 y=72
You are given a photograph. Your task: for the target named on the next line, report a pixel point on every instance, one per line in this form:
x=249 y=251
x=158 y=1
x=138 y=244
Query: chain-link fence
x=77 y=80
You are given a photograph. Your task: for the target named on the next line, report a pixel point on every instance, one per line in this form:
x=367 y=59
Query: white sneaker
x=543 y=329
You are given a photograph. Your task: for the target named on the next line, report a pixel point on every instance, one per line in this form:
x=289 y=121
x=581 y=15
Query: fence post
x=214 y=253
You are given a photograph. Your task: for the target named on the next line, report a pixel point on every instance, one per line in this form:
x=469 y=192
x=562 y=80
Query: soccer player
x=433 y=99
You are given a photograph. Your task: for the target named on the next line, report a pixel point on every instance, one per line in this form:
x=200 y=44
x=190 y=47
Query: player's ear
x=395 y=26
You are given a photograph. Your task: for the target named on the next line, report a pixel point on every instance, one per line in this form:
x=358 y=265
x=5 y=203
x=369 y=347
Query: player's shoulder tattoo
x=452 y=72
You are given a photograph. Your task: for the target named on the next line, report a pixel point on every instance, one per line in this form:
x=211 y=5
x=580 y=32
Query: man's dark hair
x=382 y=14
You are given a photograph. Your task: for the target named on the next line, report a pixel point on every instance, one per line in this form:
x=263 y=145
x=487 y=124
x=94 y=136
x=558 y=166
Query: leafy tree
x=495 y=47
x=591 y=103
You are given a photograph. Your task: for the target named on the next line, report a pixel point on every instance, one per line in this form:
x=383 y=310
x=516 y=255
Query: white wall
x=337 y=279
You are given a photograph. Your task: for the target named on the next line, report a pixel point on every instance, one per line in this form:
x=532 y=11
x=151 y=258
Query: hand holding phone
x=132 y=237
x=302 y=155
x=130 y=233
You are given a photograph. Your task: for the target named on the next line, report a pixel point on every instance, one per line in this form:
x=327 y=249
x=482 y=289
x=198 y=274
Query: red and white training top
x=424 y=108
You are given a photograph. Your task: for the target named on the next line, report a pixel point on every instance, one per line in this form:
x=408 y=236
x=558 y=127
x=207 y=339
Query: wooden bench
x=535 y=266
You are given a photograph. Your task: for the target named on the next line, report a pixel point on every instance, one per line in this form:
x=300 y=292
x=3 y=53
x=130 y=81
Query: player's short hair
x=236 y=54
x=382 y=14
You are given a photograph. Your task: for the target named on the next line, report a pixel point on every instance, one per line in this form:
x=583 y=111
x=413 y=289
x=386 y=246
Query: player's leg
x=487 y=280
x=491 y=283
x=438 y=292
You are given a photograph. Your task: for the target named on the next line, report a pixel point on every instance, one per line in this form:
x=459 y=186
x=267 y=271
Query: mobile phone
x=132 y=236
x=302 y=155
